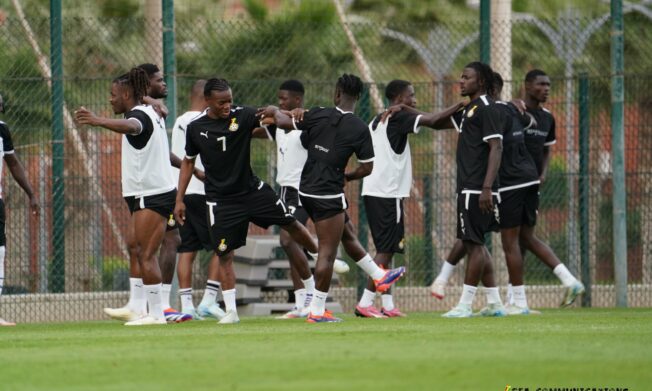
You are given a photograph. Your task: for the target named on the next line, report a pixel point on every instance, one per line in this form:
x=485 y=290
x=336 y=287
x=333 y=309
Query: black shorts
x=323 y=208
x=290 y=196
x=519 y=207
x=3 y=218
x=194 y=233
x=385 y=216
x=162 y=204
x=472 y=223
x=229 y=218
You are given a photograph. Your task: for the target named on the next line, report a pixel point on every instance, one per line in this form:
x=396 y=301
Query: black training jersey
x=517 y=168
x=224 y=145
x=541 y=135
x=331 y=136
x=478 y=122
x=399 y=126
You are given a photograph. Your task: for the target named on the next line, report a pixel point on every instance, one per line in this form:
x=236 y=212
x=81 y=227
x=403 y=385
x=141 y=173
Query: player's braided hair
x=533 y=74
x=215 y=84
x=485 y=76
x=350 y=85
x=137 y=80
x=395 y=88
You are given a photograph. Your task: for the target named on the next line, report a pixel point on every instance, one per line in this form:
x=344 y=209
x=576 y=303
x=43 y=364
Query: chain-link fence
x=91 y=268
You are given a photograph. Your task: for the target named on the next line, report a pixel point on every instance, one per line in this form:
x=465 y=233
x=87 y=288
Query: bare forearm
x=18 y=172
x=363 y=170
x=495 y=154
x=122 y=126
x=545 y=162
x=175 y=161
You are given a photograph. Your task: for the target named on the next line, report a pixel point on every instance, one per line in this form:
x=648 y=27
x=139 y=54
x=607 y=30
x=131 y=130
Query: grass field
x=561 y=348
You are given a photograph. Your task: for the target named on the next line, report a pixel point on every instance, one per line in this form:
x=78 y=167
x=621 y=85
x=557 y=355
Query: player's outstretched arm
x=441 y=120
x=18 y=172
x=84 y=116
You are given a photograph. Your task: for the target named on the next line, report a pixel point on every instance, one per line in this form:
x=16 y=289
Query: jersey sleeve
x=139 y=140
x=7 y=143
x=191 y=149
x=493 y=123
x=404 y=122
x=364 y=149
x=178 y=139
x=551 y=138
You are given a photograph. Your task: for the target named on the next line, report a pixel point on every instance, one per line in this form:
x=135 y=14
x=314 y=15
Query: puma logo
x=205 y=134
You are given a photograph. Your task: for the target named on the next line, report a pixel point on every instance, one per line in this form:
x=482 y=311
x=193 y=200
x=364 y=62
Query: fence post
x=428 y=249
x=58 y=199
x=584 y=125
x=169 y=61
x=618 y=153
x=485 y=31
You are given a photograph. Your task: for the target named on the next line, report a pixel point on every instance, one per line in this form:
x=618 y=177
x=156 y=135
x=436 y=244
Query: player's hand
x=542 y=179
x=266 y=112
x=520 y=105
x=157 y=105
x=389 y=112
x=180 y=212
x=34 y=206
x=297 y=114
x=199 y=174
x=486 y=201
x=83 y=116
x=267 y=121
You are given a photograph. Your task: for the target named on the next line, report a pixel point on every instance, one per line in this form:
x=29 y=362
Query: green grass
x=561 y=348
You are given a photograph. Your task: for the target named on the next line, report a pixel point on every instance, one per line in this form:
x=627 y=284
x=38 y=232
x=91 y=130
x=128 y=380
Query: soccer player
x=518 y=182
x=390 y=182
x=18 y=172
x=479 y=149
x=331 y=136
x=538 y=140
x=290 y=158
x=148 y=184
x=194 y=233
x=234 y=195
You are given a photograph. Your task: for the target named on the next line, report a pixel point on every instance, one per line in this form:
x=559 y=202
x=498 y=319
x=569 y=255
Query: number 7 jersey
x=224 y=145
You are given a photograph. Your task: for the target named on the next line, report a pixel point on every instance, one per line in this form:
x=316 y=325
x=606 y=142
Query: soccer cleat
x=212 y=311
x=438 y=289
x=512 y=309
x=174 y=316
x=293 y=314
x=572 y=292
x=395 y=313
x=230 y=317
x=390 y=277
x=6 y=323
x=326 y=318
x=146 y=321
x=496 y=309
x=193 y=312
x=340 y=267
x=124 y=314
x=368 y=312
x=459 y=311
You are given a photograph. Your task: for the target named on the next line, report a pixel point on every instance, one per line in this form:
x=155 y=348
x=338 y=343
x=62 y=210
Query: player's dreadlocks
x=137 y=80
x=533 y=74
x=350 y=85
x=215 y=84
x=395 y=88
x=485 y=76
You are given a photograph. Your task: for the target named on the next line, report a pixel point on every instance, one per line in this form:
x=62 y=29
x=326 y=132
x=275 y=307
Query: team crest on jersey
x=222 y=247
x=470 y=113
x=233 y=126
x=171 y=221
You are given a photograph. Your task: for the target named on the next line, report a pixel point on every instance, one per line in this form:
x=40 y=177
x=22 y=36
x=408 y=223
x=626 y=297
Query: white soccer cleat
x=492 y=310
x=146 y=321
x=460 y=311
x=438 y=289
x=292 y=314
x=231 y=317
x=212 y=311
x=6 y=323
x=512 y=309
x=572 y=292
x=340 y=267
x=124 y=314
